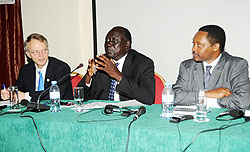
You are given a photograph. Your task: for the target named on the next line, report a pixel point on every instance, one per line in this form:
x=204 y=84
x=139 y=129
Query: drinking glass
x=14 y=99
x=78 y=99
x=201 y=108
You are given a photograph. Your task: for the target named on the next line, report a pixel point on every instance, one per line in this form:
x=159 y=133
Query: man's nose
x=110 y=43
x=194 y=48
x=40 y=53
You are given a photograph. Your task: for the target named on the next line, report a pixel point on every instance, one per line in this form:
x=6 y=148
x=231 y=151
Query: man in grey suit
x=222 y=76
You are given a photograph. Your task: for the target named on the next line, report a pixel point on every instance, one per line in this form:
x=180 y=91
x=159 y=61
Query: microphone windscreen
x=142 y=110
x=80 y=65
x=24 y=102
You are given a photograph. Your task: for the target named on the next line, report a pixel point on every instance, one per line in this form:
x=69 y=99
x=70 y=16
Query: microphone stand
x=38 y=100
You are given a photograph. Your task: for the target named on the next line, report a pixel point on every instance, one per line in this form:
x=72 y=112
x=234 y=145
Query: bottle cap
x=167 y=84
x=53 y=82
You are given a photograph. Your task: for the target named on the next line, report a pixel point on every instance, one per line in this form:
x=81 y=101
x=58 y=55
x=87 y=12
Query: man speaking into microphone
x=121 y=73
x=37 y=75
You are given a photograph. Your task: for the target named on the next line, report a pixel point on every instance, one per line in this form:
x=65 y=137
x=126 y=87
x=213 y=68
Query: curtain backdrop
x=11 y=41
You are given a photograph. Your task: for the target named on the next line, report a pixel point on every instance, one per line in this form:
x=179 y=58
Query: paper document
x=5 y=102
x=212 y=103
x=184 y=110
x=97 y=105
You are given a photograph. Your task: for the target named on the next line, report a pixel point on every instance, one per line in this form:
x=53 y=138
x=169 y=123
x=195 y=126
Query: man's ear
x=216 y=46
x=28 y=54
x=128 y=44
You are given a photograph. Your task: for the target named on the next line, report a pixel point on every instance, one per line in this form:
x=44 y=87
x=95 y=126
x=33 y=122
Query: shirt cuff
x=27 y=96
x=88 y=85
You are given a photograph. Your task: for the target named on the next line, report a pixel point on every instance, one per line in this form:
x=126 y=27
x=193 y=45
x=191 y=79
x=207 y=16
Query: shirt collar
x=43 y=70
x=213 y=63
x=121 y=62
x=122 y=59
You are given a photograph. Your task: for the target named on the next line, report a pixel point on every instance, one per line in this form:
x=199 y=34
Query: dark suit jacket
x=56 y=70
x=230 y=72
x=137 y=82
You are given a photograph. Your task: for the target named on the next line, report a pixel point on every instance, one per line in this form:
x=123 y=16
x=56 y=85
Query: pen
x=4 y=87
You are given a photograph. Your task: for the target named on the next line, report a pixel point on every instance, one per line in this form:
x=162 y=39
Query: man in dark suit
x=130 y=73
x=222 y=76
x=37 y=75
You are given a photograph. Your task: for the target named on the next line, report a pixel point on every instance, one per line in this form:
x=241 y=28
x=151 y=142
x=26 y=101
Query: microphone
x=141 y=111
x=38 y=100
x=34 y=107
x=109 y=109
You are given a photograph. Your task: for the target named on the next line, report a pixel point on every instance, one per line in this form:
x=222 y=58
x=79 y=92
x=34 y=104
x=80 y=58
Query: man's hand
x=21 y=96
x=108 y=65
x=90 y=71
x=5 y=94
x=218 y=93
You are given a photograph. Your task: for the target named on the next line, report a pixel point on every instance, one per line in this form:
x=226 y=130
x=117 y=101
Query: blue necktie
x=40 y=83
x=112 y=87
x=206 y=76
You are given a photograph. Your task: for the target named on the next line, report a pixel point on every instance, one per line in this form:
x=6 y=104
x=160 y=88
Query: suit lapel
x=126 y=70
x=32 y=73
x=127 y=63
x=198 y=75
x=48 y=75
x=214 y=78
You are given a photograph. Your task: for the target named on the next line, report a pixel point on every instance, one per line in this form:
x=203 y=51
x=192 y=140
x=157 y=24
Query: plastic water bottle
x=54 y=94
x=167 y=101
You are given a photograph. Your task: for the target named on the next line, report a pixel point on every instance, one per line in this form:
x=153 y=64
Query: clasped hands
x=103 y=64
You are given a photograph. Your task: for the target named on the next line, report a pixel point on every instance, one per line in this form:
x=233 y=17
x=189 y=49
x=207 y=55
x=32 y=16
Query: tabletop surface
x=96 y=131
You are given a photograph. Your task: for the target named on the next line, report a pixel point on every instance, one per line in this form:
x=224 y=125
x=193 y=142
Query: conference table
x=96 y=131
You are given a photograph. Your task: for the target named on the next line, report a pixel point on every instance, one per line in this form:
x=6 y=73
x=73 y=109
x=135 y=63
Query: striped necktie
x=40 y=83
x=112 y=87
x=206 y=77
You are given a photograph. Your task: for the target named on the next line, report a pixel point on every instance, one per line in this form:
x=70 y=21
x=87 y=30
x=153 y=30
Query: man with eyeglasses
x=37 y=75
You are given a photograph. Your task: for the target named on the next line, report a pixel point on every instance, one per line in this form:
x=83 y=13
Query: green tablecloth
x=150 y=133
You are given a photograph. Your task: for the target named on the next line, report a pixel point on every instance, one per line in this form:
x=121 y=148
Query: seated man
x=222 y=76
x=122 y=73
x=37 y=75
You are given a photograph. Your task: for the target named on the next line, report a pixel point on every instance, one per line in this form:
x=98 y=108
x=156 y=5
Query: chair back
x=75 y=79
x=159 y=85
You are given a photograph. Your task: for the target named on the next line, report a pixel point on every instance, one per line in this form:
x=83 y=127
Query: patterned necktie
x=112 y=87
x=206 y=76
x=40 y=83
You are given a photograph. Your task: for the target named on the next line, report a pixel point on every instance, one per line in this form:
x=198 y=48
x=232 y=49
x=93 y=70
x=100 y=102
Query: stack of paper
x=184 y=110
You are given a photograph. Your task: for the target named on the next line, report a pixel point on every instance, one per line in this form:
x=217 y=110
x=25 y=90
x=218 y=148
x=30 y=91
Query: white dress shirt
x=43 y=70
x=212 y=102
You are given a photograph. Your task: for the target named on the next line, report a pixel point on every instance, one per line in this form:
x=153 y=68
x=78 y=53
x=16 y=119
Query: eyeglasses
x=36 y=52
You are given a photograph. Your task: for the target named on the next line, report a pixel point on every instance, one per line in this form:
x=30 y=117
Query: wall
x=67 y=24
x=164 y=29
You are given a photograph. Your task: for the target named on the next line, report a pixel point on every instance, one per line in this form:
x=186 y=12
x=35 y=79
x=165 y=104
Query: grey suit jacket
x=230 y=72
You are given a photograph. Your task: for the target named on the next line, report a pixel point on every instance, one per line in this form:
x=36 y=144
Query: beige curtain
x=11 y=41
